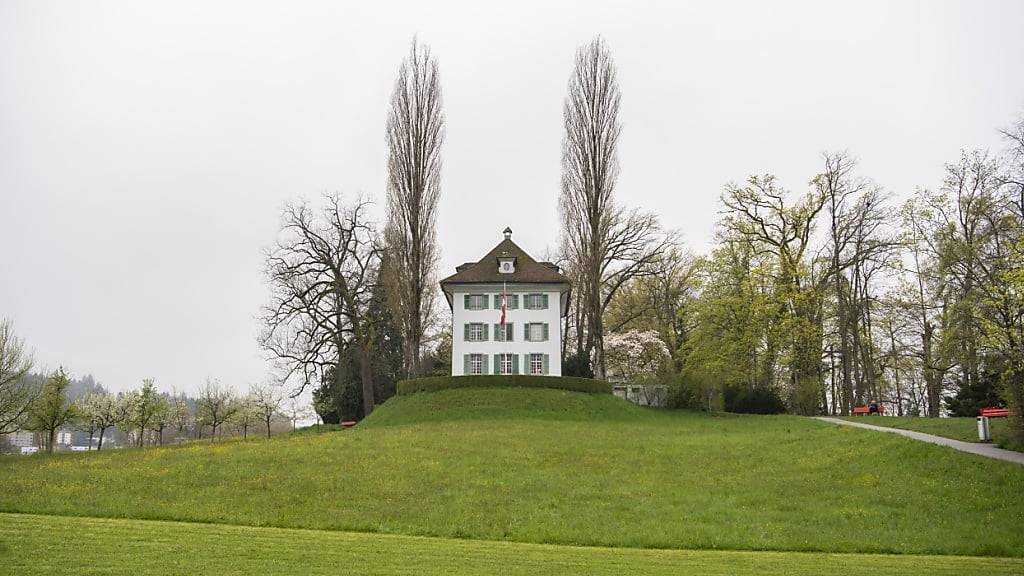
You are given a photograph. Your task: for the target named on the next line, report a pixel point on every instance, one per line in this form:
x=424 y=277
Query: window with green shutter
x=535 y=301
x=535 y=364
x=475 y=301
x=536 y=332
x=476 y=332
x=475 y=364
x=508 y=332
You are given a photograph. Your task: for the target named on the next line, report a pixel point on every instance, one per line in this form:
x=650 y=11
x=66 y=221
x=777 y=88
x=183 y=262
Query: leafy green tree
x=51 y=409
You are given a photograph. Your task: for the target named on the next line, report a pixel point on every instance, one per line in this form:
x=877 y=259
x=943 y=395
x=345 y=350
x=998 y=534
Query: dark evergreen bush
x=757 y=400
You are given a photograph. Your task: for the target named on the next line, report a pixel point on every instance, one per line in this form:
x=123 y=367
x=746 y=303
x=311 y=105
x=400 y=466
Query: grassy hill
x=555 y=467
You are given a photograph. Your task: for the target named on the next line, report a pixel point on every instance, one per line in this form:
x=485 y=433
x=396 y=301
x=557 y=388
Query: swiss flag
x=503 y=299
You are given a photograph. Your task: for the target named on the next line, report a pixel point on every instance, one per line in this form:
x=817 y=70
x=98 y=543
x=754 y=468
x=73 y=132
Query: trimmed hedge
x=571 y=383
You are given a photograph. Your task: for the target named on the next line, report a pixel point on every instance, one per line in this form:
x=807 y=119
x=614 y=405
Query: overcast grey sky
x=146 y=148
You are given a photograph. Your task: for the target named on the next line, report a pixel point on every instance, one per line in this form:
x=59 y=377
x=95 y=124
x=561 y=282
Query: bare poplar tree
x=415 y=132
x=322 y=274
x=604 y=244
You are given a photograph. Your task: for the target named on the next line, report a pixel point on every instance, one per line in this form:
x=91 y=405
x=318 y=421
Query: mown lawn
x=40 y=545
x=965 y=429
x=477 y=464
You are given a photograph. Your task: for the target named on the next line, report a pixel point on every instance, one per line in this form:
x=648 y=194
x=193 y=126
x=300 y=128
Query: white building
x=536 y=298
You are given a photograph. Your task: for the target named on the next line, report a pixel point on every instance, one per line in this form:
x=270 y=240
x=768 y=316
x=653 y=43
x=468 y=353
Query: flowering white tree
x=635 y=356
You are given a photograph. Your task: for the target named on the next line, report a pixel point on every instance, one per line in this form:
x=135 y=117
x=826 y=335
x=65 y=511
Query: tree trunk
x=100 y=446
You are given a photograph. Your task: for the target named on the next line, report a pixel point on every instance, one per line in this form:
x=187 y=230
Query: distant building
x=506 y=313
x=22 y=439
x=64 y=438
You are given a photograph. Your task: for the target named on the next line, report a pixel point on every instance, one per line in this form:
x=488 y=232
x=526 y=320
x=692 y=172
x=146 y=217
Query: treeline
x=145 y=416
x=839 y=296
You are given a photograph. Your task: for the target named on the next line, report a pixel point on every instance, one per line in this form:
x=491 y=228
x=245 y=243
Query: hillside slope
x=604 y=473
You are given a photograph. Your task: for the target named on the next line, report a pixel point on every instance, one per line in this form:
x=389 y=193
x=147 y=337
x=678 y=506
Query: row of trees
x=839 y=296
x=143 y=415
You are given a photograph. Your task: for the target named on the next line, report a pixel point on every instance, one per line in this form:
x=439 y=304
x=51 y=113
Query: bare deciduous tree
x=322 y=274
x=415 y=132
x=214 y=406
x=16 y=391
x=266 y=402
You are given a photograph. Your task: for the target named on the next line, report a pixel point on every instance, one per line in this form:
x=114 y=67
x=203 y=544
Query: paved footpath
x=973 y=447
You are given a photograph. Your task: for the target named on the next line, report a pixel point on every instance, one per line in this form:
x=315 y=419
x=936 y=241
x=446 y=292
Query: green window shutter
x=497 y=301
x=526 y=363
x=465 y=301
x=497 y=332
x=465 y=332
x=465 y=363
x=515 y=363
x=497 y=363
x=545 y=331
x=509 y=332
x=544 y=301
x=483 y=359
x=483 y=330
x=546 y=363
x=512 y=302
x=484 y=296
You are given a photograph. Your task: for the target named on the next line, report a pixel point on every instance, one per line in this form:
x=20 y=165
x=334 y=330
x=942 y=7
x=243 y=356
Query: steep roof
x=527 y=270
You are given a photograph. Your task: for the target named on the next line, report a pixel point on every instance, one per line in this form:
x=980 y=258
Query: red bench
x=865 y=410
x=995 y=412
x=348 y=423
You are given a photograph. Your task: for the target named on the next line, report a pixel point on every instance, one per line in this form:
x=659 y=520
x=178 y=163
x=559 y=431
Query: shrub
x=757 y=400
x=571 y=383
x=577 y=365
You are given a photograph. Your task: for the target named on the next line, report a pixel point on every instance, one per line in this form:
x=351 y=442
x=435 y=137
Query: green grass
x=547 y=466
x=39 y=545
x=965 y=429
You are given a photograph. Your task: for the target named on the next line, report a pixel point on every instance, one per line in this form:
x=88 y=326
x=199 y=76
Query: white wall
x=518 y=317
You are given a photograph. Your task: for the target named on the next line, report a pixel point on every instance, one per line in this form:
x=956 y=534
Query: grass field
x=28 y=547
x=965 y=429
x=549 y=466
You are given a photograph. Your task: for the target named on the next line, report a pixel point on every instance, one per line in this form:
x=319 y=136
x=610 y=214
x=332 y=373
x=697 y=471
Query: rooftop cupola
x=508 y=233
